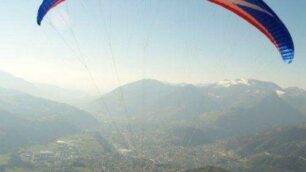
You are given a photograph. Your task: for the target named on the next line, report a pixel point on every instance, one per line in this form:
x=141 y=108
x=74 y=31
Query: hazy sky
x=125 y=40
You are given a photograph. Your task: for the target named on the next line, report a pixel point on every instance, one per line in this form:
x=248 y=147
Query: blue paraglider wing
x=45 y=7
x=260 y=15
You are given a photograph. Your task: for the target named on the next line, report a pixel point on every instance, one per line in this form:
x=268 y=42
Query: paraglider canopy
x=45 y=7
x=256 y=12
x=260 y=15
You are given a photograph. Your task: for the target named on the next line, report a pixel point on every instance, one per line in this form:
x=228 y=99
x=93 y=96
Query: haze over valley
x=242 y=125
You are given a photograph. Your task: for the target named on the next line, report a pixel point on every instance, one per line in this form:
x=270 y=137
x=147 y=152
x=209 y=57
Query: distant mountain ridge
x=25 y=120
x=51 y=92
x=269 y=113
x=210 y=112
x=147 y=95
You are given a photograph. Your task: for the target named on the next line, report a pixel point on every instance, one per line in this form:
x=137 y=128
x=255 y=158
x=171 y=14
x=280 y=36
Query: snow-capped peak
x=228 y=83
x=280 y=92
x=243 y=81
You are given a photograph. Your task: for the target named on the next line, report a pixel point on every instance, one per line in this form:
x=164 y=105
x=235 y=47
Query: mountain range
x=55 y=93
x=27 y=119
x=219 y=110
x=259 y=122
x=145 y=96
